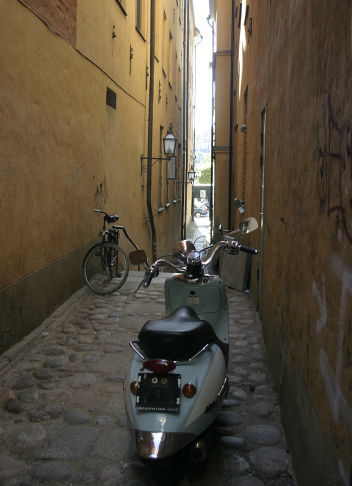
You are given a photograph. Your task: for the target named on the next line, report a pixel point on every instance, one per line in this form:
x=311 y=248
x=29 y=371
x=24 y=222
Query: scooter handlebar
x=248 y=249
x=149 y=275
x=234 y=245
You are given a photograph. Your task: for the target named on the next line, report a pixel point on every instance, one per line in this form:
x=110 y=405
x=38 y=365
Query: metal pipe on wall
x=187 y=122
x=229 y=222
x=150 y=128
x=185 y=117
x=211 y=202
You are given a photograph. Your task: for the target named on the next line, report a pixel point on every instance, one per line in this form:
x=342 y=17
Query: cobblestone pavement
x=62 y=418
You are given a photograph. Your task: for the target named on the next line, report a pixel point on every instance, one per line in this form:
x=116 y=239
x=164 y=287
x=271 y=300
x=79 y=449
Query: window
x=179 y=85
x=176 y=79
x=171 y=67
x=158 y=20
x=140 y=16
x=160 y=168
x=165 y=44
x=179 y=173
x=245 y=110
x=122 y=4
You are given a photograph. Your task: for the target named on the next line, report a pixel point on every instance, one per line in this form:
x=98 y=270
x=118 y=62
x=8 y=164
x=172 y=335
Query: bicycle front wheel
x=105 y=268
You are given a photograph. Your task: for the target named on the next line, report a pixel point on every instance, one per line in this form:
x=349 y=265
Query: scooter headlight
x=189 y=390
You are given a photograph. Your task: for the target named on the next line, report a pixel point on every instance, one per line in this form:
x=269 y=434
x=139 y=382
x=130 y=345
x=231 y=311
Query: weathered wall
x=64 y=152
x=298 y=63
x=221 y=149
x=61 y=15
x=309 y=203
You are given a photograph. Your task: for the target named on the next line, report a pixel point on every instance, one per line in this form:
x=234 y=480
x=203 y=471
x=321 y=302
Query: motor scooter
x=177 y=380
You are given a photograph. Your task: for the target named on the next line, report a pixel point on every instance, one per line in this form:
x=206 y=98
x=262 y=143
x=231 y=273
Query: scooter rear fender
x=159 y=432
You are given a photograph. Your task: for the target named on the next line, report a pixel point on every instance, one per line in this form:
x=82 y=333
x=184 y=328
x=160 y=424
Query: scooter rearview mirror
x=248 y=225
x=137 y=257
x=183 y=247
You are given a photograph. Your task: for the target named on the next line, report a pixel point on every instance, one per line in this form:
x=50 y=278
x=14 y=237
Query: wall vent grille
x=111 y=98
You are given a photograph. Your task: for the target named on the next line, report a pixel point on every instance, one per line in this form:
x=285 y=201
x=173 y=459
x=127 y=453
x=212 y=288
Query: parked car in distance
x=200 y=210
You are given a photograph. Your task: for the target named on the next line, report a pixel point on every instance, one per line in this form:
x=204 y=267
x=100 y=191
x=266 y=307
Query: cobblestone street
x=62 y=415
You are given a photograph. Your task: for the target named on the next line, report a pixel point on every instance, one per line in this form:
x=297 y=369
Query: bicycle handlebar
x=148 y=278
x=109 y=218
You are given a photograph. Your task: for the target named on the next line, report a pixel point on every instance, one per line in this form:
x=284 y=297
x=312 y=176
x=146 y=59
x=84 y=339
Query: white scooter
x=177 y=381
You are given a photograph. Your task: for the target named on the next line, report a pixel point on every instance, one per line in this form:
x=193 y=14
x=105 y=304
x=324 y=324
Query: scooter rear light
x=134 y=387
x=159 y=365
x=189 y=390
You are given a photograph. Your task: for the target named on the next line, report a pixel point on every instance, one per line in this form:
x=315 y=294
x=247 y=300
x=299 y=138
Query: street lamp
x=191 y=174
x=169 y=144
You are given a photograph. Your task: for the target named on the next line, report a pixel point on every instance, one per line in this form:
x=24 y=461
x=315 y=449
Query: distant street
x=199 y=232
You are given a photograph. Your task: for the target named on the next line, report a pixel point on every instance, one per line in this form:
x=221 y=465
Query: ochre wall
x=298 y=63
x=221 y=150
x=64 y=152
x=309 y=204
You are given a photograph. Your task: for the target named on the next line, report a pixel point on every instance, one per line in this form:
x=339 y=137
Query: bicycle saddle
x=111 y=219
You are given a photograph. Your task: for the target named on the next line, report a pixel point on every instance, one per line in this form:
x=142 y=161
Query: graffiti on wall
x=101 y=194
x=335 y=167
x=332 y=378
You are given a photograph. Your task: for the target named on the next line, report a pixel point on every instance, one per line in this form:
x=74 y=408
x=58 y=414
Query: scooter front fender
x=158 y=445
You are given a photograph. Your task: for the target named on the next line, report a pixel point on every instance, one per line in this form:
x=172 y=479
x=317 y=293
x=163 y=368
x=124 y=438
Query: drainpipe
x=184 y=135
x=150 y=127
x=183 y=122
x=187 y=123
x=231 y=115
x=211 y=210
x=194 y=117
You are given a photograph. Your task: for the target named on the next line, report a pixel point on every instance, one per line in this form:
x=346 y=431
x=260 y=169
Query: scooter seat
x=178 y=336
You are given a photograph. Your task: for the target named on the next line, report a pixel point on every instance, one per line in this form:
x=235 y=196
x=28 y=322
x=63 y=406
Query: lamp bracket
x=144 y=167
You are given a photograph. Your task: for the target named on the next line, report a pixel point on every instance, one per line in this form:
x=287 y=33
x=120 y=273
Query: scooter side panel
x=207 y=401
x=207 y=298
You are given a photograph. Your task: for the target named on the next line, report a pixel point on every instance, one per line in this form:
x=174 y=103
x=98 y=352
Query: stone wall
x=293 y=61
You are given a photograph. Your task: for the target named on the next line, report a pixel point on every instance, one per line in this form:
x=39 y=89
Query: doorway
x=263 y=191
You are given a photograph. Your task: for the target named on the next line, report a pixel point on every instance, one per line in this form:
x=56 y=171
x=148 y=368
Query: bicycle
x=106 y=265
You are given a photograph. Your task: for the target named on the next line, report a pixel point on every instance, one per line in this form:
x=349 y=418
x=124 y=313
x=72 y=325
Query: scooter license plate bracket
x=158 y=392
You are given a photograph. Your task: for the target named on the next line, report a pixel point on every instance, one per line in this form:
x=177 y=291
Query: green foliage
x=205 y=178
x=205 y=168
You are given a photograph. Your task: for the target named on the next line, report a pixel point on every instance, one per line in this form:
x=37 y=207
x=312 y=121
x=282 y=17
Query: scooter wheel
x=168 y=471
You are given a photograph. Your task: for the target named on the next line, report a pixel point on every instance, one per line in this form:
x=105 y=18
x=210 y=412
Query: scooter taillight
x=189 y=390
x=159 y=365
x=134 y=387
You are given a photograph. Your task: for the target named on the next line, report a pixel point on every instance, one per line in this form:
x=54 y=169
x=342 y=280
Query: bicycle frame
x=110 y=258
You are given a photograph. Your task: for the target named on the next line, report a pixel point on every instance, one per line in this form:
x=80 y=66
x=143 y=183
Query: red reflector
x=159 y=365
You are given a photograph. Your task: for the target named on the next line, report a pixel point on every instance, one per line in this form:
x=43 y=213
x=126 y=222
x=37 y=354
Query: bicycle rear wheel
x=105 y=272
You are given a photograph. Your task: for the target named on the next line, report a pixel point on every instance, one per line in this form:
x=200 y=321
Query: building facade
x=82 y=100
x=283 y=145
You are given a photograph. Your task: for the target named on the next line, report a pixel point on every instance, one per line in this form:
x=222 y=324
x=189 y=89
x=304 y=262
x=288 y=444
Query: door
x=263 y=165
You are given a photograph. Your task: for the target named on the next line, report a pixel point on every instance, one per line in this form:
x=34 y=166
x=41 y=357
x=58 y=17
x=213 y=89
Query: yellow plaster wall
x=222 y=114
x=64 y=152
